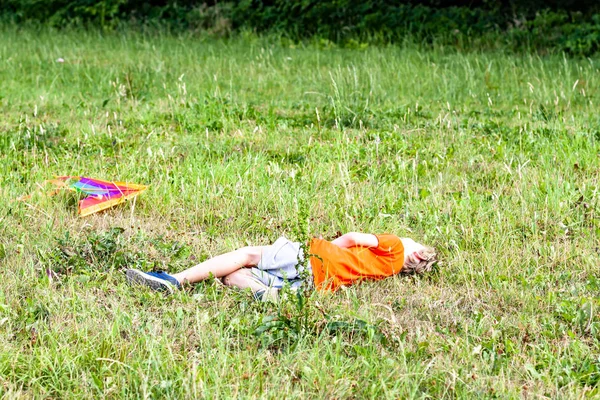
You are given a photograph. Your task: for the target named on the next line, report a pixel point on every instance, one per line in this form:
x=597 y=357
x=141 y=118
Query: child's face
x=411 y=250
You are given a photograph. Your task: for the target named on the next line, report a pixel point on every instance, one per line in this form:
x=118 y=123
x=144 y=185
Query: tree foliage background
x=570 y=26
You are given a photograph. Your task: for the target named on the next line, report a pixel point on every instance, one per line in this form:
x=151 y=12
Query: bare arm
x=352 y=239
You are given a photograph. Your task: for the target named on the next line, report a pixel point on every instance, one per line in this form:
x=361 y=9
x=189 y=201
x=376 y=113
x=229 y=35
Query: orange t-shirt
x=333 y=266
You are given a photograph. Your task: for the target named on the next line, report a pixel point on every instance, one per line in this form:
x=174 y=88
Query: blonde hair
x=428 y=257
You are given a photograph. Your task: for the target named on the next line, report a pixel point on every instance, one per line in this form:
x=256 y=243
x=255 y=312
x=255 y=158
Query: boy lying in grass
x=264 y=269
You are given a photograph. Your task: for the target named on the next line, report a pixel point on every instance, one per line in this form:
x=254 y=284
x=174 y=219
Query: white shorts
x=282 y=262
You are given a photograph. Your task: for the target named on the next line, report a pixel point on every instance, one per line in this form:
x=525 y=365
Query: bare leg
x=222 y=265
x=243 y=278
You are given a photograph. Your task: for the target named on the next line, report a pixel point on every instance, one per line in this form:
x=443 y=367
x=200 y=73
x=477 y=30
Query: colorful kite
x=102 y=194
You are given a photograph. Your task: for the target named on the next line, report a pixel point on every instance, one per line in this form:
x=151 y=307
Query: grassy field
x=492 y=158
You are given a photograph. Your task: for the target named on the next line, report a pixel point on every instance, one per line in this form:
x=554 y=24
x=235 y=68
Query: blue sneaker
x=160 y=281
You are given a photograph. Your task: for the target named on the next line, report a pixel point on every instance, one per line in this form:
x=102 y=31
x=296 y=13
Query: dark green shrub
x=570 y=26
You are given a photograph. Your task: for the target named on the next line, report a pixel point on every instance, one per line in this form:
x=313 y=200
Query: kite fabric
x=102 y=194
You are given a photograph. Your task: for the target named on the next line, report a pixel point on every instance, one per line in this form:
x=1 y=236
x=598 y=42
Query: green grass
x=493 y=158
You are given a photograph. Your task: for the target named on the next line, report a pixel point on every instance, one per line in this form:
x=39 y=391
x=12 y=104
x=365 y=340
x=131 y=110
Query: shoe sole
x=136 y=277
